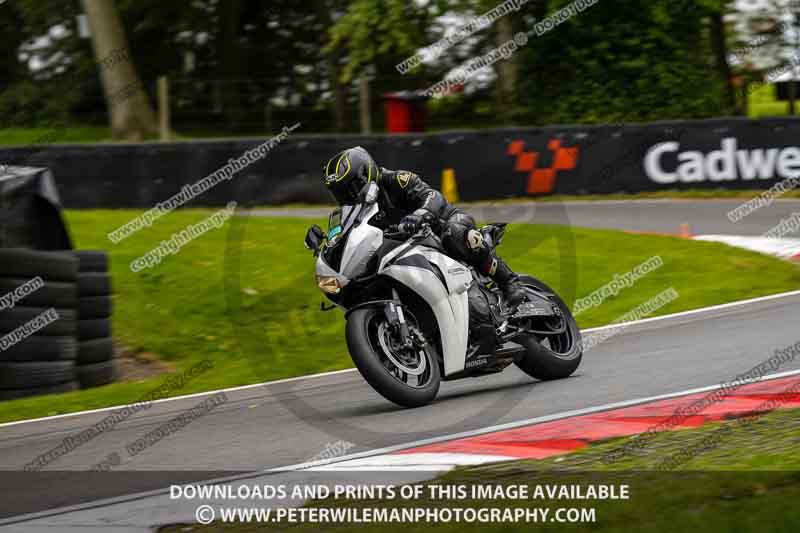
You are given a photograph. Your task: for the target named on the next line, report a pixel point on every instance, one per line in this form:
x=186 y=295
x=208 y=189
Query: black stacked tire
x=95 y=348
x=38 y=322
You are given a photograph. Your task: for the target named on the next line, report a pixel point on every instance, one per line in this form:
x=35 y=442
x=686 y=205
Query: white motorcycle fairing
x=361 y=244
x=443 y=283
x=439 y=280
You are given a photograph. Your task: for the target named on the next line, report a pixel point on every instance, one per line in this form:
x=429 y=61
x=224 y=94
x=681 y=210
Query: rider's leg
x=463 y=241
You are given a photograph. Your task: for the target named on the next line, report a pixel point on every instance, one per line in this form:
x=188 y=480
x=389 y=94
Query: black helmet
x=348 y=172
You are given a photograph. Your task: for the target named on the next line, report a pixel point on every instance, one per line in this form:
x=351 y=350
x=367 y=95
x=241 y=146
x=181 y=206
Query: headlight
x=328 y=284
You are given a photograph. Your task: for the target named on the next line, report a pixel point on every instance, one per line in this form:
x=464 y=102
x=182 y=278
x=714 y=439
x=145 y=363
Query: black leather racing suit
x=404 y=193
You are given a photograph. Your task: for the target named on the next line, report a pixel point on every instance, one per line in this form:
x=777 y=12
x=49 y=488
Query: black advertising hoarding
x=488 y=164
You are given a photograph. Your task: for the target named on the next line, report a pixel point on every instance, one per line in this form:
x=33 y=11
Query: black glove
x=410 y=224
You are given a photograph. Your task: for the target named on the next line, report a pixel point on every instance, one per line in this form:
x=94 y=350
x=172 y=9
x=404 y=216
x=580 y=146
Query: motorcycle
x=416 y=317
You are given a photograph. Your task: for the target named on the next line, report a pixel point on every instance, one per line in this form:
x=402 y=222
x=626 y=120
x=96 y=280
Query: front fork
x=397 y=320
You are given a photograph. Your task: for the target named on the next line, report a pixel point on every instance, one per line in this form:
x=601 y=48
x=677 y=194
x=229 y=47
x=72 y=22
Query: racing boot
x=508 y=281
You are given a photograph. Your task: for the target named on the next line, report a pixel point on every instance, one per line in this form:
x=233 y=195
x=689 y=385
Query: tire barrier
x=55 y=321
x=95 y=347
x=50 y=266
x=37 y=356
x=95 y=374
x=55 y=306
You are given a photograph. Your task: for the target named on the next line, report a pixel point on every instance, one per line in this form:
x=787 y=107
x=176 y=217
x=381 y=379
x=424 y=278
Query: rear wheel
x=555 y=356
x=409 y=377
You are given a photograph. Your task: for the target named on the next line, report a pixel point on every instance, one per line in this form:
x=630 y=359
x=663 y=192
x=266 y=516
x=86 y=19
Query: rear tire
x=364 y=355
x=542 y=362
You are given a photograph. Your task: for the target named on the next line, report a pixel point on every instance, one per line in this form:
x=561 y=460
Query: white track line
x=691 y=312
x=313 y=465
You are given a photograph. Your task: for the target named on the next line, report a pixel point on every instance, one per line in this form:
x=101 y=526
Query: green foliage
x=272 y=63
x=642 y=60
x=371 y=29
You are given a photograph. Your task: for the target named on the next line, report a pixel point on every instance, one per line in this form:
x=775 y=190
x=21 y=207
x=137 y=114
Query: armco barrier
x=704 y=154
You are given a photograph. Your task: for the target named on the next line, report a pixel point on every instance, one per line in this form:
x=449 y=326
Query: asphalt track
x=291 y=422
x=704 y=217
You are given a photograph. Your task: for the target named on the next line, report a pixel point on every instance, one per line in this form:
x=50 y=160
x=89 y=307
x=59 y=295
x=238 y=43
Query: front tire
x=364 y=328
x=556 y=357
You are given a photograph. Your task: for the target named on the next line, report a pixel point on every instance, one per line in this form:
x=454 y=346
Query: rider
x=409 y=202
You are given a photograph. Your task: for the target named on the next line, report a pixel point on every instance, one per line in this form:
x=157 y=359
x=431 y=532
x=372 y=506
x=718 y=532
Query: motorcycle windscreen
x=363 y=240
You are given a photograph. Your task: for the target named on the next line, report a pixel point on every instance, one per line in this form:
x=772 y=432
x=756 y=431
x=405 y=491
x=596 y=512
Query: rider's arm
x=417 y=196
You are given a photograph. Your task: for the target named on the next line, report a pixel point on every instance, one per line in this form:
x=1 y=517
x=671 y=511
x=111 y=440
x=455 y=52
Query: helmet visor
x=344 y=191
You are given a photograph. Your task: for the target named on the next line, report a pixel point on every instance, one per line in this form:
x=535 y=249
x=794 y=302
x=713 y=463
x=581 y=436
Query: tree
x=719 y=47
x=131 y=116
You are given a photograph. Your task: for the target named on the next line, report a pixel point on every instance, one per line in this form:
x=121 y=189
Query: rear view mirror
x=314 y=238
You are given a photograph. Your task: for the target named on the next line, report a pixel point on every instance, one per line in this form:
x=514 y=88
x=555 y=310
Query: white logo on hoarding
x=726 y=164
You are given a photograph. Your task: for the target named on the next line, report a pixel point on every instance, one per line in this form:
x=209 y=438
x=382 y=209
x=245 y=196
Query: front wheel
x=556 y=356
x=409 y=377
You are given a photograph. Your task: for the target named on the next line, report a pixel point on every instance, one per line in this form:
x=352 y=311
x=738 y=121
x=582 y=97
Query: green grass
x=102 y=134
x=92 y=134
x=244 y=296
x=749 y=482
x=80 y=134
